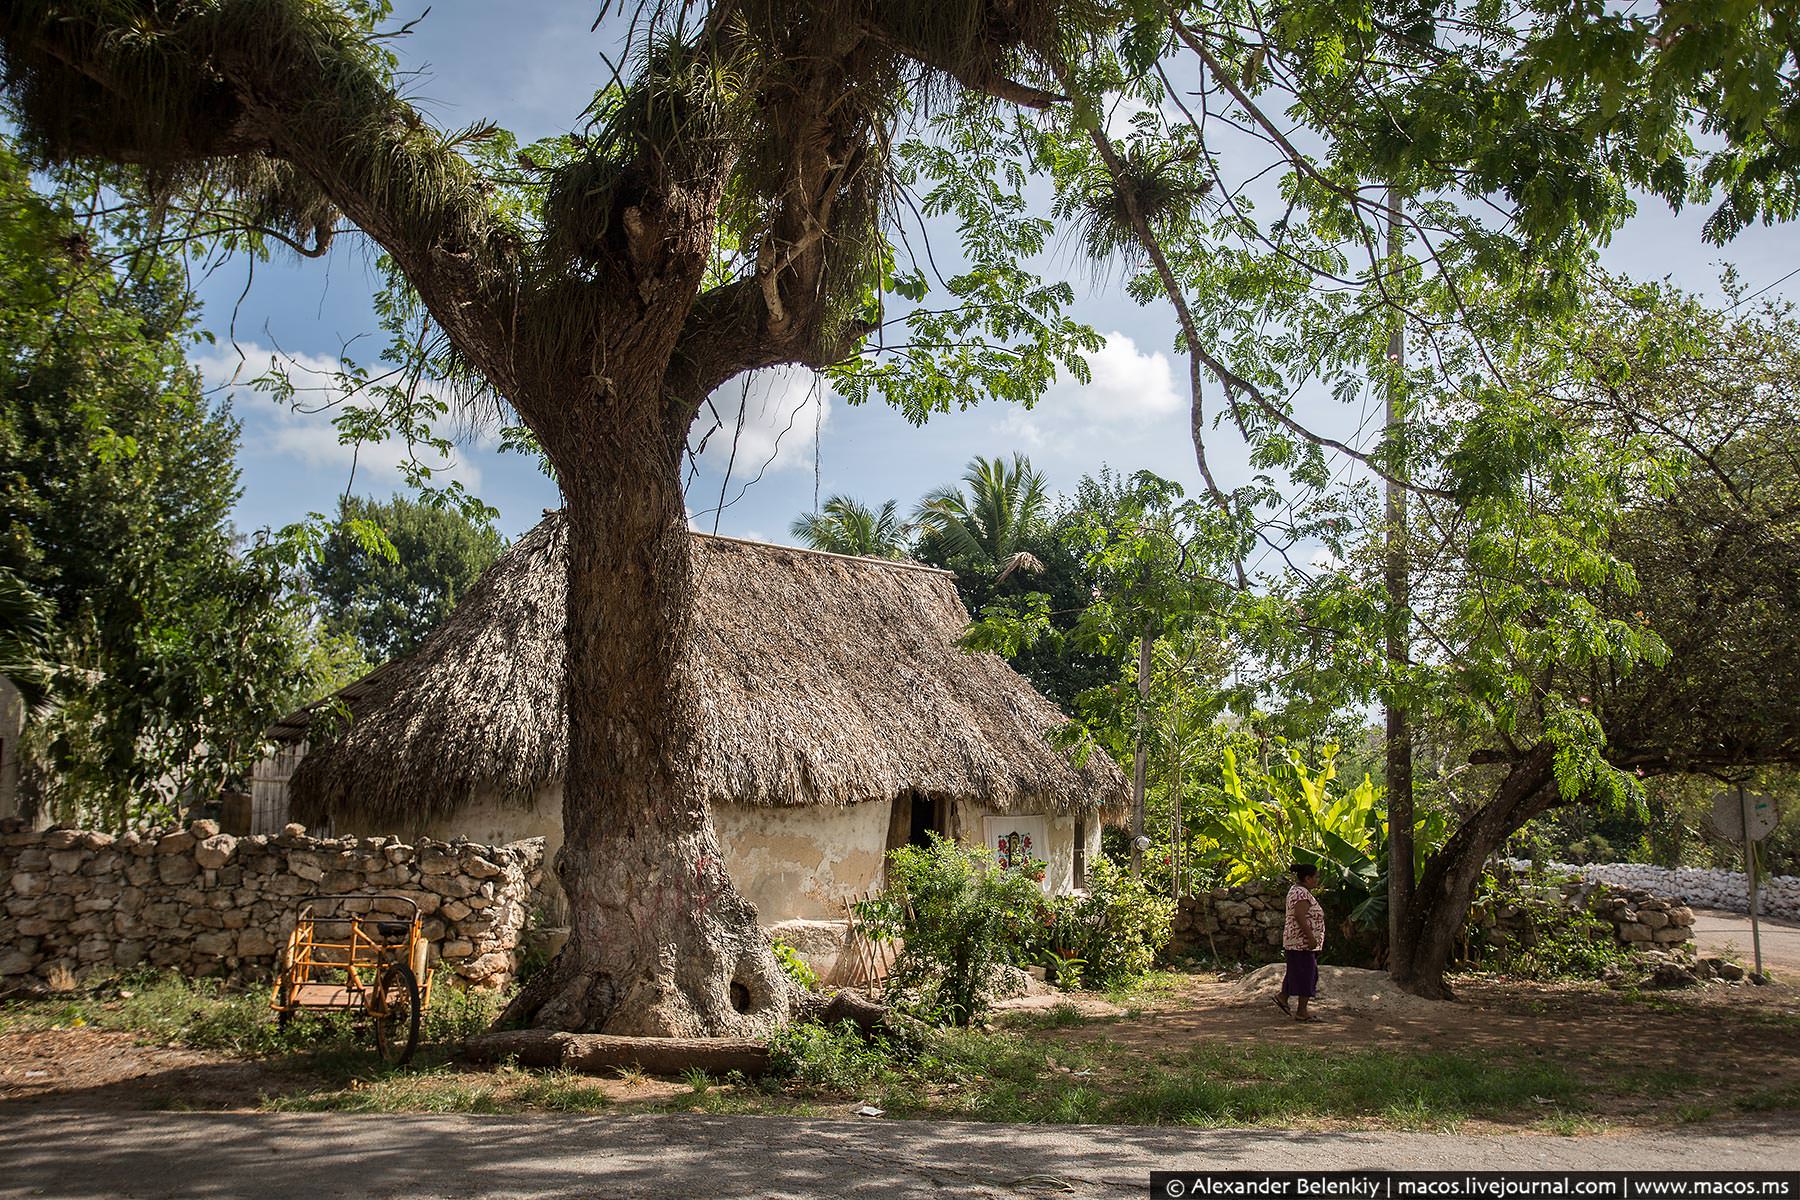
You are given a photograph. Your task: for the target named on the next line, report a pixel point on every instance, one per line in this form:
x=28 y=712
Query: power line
x=1760 y=291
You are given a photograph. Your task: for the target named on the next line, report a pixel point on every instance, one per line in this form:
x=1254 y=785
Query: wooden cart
x=361 y=952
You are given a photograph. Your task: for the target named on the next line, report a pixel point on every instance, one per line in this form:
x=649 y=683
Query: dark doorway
x=921 y=822
x=915 y=818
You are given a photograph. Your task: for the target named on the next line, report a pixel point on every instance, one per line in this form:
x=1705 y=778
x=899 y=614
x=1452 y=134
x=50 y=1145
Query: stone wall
x=1639 y=918
x=75 y=904
x=1239 y=924
x=1243 y=924
x=1705 y=887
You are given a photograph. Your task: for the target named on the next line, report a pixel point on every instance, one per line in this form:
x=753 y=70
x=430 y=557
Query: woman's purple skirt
x=1302 y=978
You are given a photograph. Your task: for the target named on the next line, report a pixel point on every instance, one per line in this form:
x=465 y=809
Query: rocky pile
x=79 y=903
x=1704 y=887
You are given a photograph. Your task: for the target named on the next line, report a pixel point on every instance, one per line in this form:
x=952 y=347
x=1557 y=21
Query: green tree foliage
x=847 y=526
x=988 y=525
x=388 y=601
x=165 y=650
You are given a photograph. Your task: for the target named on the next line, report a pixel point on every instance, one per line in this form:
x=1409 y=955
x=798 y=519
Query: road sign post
x=1747 y=817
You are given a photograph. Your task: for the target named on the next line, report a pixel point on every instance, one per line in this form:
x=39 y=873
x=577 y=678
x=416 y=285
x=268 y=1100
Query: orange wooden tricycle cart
x=361 y=952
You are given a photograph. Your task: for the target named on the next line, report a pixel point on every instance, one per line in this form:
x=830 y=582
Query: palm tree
x=847 y=526
x=1006 y=503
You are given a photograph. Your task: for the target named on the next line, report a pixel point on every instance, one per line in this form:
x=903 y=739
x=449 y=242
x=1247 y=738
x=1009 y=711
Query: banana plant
x=1295 y=812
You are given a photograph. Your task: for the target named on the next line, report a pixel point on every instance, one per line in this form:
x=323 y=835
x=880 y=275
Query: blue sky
x=534 y=75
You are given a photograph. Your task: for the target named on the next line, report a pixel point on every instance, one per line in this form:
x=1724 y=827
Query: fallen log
x=591 y=1053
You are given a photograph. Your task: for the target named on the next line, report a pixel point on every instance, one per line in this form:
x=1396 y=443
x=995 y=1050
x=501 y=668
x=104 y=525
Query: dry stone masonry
x=1703 y=887
x=1237 y=924
x=76 y=904
x=1243 y=924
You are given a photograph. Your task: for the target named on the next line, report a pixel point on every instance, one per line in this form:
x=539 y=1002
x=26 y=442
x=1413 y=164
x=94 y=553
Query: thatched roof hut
x=826 y=680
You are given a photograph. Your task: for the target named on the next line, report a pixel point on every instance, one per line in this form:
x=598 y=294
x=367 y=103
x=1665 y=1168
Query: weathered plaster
x=794 y=864
x=802 y=863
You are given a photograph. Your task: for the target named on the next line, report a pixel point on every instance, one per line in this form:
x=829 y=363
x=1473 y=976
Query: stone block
x=309 y=867
x=458 y=948
x=480 y=867
x=203 y=829
x=1632 y=931
x=61 y=839
x=176 y=843
x=255 y=943
x=67 y=862
x=1670 y=934
x=215 y=851
x=25 y=883
x=175 y=871
x=16 y=962
x=219 y=944
x=437 y=862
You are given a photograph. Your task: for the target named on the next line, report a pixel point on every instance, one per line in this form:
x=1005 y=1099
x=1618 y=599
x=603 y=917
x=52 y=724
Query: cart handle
x=307 y=901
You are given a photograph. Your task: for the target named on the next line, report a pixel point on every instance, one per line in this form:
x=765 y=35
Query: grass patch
x=1062 y=1015
x=1014 y=1077
x=1260 y=1085
x=1568 y=1124
x=1146 y=989
x=1771 y=1099
x=442 y=1090
x=162 y=1008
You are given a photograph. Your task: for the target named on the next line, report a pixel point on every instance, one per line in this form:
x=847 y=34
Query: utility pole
x=1399 y=642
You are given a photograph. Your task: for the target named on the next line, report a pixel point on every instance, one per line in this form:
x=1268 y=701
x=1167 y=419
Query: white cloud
x=1129 y=394
x=304 y=433
x=1128 y=385
x=782 y=410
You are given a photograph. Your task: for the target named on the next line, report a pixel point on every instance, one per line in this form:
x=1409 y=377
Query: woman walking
x=1302 y=937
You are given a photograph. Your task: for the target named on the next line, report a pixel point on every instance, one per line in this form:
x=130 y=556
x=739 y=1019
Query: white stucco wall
x=802 y=862
x=968 y=824
x=796 y=865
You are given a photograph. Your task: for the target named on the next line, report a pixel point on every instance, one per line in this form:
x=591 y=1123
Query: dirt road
x=283 y=1156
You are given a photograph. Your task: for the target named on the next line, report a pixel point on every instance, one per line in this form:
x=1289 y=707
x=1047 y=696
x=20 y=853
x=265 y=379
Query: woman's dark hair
x=1304 y=870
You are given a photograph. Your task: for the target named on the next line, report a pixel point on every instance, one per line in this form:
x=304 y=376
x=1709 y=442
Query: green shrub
x=1112 y=934
x=832 y=1058
x=961 y=917
x=1554 y=940
x=793 y=965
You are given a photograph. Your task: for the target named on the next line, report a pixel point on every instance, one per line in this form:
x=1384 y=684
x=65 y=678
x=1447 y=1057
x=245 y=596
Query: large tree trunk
x=1440 y=904
x=661 y=943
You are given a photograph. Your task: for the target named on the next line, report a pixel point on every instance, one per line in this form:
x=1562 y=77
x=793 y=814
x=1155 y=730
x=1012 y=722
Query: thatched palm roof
x=825 y=680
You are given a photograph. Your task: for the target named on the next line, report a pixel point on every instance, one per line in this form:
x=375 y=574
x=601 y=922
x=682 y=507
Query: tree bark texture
x=1440 y=903
x=661 y=943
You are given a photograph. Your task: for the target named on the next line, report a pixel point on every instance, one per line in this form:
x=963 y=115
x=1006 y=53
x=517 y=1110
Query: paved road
x=1715 y=931
x=296 y=1156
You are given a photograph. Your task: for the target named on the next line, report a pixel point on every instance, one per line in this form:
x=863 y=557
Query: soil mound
x=1347 y=989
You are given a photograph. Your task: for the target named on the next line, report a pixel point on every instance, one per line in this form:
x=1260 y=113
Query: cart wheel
x=397 y=1029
